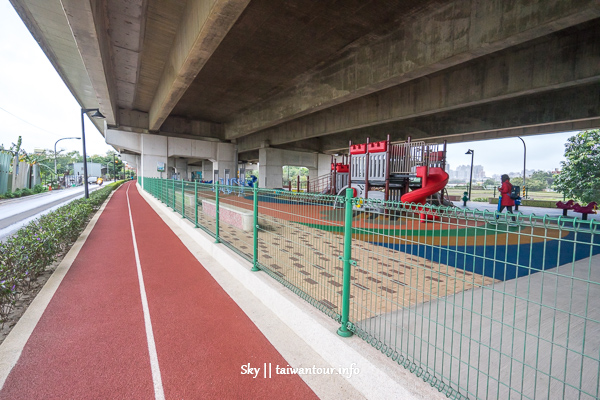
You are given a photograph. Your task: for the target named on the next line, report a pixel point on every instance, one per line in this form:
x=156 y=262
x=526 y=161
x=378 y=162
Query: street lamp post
x=97 y=114
x=65 y=138
x=471 y=152
x=524 y=161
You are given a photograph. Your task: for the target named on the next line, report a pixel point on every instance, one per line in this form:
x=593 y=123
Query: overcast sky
x=43 y=109
x=35 y=104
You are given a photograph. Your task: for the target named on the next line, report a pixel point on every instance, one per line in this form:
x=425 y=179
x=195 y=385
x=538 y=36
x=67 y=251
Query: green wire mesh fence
x=478 y=304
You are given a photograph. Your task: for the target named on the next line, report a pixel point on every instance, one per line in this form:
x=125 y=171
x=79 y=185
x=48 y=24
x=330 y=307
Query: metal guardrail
x=476 y=304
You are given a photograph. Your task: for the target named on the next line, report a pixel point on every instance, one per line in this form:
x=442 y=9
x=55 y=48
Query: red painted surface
x=432 y=183
x=204 y=338
x=91 y=341
x=378 y=147
x=358 y=148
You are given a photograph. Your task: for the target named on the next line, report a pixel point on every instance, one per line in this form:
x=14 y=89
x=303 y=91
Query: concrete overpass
x=205 y=84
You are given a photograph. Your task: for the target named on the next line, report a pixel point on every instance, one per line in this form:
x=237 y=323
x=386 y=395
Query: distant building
x=478 y=173
x=463 y=173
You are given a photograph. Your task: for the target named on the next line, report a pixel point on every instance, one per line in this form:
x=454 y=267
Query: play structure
x=591 y=208
x=409 y=172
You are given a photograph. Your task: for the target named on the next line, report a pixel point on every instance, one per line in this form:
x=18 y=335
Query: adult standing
x=505 y=190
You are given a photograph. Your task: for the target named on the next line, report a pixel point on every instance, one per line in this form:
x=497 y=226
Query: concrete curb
x=11 y=348
x=379 y=378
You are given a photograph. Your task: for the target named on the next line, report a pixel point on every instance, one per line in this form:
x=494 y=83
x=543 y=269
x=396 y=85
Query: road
x=15 y=213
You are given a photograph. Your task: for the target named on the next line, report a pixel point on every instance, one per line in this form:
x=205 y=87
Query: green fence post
x=196 y=202
x=173 y=188
x=255 y=212
x=182 y=198
x=217 y=240
x=347 y=258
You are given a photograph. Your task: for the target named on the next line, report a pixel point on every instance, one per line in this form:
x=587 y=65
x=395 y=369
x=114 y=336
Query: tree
x=490 y=182
x=544 y=176
x=293 y=173
x=517 y=181
x=580 y=175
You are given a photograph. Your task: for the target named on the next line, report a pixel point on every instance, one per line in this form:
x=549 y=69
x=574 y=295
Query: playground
x=392 y=183
x=428 y=285
x=412 y=276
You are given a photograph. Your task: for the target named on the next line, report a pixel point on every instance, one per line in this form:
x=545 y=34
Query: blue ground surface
x=504 y=262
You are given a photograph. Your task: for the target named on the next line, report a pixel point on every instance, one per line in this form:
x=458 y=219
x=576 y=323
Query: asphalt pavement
x=15 y=213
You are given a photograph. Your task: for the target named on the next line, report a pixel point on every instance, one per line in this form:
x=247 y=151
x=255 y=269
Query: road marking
x=159 y=393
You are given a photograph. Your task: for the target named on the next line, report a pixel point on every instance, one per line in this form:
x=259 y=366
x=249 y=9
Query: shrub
x=39 y=188
x=27 y=253
x=24 y=192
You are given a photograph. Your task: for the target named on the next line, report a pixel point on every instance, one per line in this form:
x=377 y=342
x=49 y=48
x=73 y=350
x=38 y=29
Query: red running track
x=91 y=341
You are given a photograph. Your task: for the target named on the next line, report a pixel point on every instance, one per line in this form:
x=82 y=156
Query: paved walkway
x=526 y=210
x=536 y=337
x=138 y=317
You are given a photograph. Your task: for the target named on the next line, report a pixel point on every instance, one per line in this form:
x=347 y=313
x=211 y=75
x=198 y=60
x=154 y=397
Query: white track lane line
x=159 y=393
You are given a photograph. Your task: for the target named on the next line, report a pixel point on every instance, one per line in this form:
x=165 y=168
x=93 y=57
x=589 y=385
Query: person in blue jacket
x=252 y=180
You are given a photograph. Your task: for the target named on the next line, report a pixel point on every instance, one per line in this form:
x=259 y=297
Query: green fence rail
x=478 y=304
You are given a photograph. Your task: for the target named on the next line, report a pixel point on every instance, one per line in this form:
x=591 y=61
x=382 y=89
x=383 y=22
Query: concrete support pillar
x=270 y=168
x=153 y=151
x=323 y=164
x=226 y=162
x=272 y=161
x=207 y=170
x=132 y=159
x=182 y=168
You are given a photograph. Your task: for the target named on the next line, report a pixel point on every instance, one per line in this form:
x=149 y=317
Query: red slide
x=432 y=183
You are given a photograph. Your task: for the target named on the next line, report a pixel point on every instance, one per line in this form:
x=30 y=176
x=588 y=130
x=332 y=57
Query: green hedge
x=531 y=203
x=27 y=253
x=24 y=192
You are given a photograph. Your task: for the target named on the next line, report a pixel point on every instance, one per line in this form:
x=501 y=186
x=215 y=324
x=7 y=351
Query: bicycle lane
x=90 y=342
x=202 y=337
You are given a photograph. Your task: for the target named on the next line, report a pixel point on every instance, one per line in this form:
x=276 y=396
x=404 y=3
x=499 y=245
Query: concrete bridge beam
x=176 y=153
x=204 y=25
x=88 y=23
x=559 y=111
x=434 y=38
x=549 y=66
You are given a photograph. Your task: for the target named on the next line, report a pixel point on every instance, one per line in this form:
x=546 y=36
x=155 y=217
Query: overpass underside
x=235 y=77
